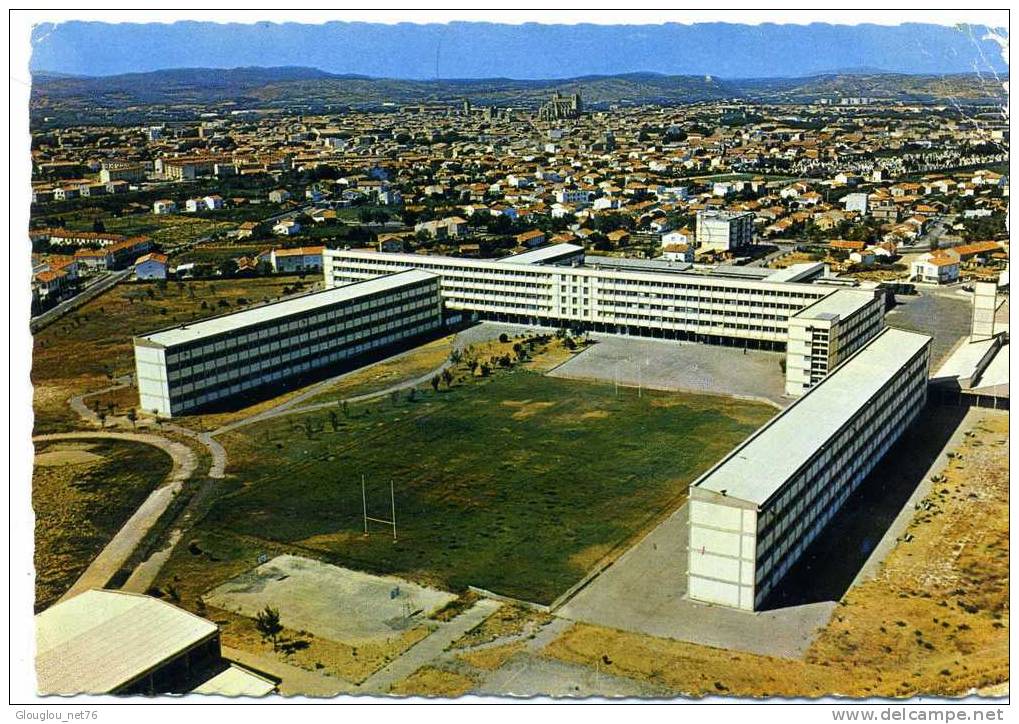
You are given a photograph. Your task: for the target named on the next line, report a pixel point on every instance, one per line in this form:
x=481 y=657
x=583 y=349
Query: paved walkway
x=119 y=549
x=429 y=648
x=294 y=681
x=644 y=591
x=216 y=451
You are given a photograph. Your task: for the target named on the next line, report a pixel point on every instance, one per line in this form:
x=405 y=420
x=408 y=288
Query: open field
x=933 y=621
x=86 y=349
x=388 y=373
x=505 y=469
x=167 y=230
x=82 y=492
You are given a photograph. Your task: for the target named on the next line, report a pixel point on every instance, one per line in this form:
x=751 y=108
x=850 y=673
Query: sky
x=525 y=51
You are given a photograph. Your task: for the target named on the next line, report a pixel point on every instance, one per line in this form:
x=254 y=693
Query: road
x=90 y=292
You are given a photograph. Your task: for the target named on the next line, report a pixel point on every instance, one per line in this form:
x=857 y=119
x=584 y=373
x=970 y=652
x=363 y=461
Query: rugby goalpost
x=364 y=509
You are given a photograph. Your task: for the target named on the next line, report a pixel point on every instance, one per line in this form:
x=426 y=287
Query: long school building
x=825 y=333
x=753 y=514
x=190 y=366
x=555 y=290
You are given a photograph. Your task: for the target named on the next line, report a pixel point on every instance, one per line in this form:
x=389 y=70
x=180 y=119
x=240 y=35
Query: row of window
x=230 y=382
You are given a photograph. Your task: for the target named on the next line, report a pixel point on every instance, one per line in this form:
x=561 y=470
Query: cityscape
x=654 y=383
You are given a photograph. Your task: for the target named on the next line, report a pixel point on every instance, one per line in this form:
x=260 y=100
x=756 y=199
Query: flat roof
x=837 y=305
x=597 y=261
x=544 y=254
x=759 y=467
x=692 y=276
x=193 y=331
x=101 y=640
x=796 y=272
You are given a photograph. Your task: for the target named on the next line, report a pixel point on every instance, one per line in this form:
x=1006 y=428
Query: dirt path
x=117 y=552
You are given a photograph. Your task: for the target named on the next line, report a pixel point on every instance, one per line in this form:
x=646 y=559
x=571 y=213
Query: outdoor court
x=329 y=601
x=680 y=366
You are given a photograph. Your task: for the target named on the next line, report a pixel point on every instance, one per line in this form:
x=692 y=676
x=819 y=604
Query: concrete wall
x=721 y=553
x=150 y=372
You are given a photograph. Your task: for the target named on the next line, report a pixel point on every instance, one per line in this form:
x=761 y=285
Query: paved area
x=644 y=591
x=428 y=649
x=294 y=681
x=116 y=553
x=680 y=366
x=526 y=676
x=332 y=602
x=944 y=314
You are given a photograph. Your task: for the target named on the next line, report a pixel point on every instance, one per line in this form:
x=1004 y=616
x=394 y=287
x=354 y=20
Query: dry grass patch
x=492 y=657
x=936 y=617
x=81 y=498
x=433 y=682
x=315 y=653
x=389 y=373
x=695 y=670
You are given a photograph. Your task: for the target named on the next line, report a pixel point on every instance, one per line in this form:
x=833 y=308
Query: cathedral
x=559 y=108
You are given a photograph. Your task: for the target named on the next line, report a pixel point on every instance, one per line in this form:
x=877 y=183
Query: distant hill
x=310 y=87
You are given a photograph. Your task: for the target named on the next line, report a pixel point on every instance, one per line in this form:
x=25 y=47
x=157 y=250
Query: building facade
x=550 y=287
x=754 y=513
x=724 y=232
x=194 y=365
x=825 y=333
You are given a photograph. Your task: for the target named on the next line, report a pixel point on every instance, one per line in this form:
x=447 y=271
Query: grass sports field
x=517 y=483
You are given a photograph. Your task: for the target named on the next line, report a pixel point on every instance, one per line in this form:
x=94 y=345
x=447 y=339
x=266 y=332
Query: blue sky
x=527 y=51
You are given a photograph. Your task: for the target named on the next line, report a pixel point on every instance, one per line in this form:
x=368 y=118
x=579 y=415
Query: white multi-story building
x=722 y=231
x=753 y=514
x=550 y=287
x=825 y=333
x=194 y=365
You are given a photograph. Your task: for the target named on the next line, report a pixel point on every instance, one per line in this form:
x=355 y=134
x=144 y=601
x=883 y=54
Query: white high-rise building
x=722 y=231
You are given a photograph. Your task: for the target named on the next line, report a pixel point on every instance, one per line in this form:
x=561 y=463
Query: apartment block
x=753 y=514
x=194 y=365
x=723 y=232
x=825 y=333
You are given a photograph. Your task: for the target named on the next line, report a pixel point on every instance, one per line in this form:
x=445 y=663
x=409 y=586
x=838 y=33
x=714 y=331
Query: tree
x=102 y=418
x=132 y=415
x=228 y=267
x=267 y=621
x=435 y=383
x=334 y=420
x=447 y=377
